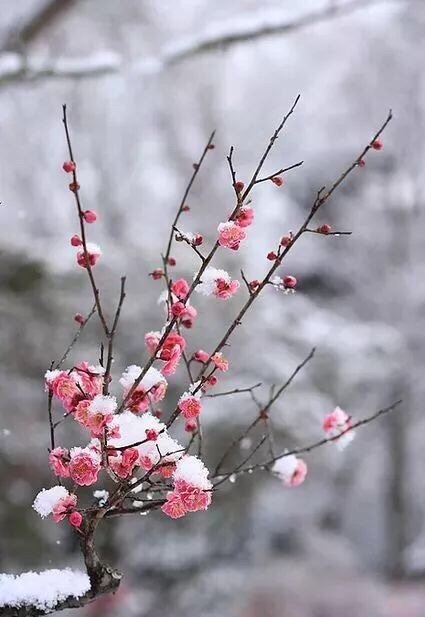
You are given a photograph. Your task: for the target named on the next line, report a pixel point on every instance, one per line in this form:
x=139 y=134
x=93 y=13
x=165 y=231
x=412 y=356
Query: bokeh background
x=145 y=87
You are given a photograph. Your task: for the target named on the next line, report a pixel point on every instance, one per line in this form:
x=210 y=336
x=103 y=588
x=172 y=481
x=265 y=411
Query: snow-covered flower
x=152 y=387
x=47 y=499
x=192 y=488
x=218 y=283
x=190 y=405
x=230 y=235
x=291 y=470
x=84 y=465
x=93 y=254
x=100 y=413
x=339 y=423
x=133 y=429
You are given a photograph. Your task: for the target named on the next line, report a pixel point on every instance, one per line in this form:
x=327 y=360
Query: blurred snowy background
x=143 y=95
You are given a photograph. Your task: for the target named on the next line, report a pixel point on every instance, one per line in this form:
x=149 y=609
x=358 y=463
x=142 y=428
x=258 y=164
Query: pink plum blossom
x=190 y=405
x=59 y=462
x=84 y=466
x=230 y=235
x=291 y=470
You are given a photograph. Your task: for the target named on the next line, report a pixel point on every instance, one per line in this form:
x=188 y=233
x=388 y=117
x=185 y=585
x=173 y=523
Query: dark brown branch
x=75 y=339
x=313 y=446
x=82 y=226
x=235 y=391
x=278 y=173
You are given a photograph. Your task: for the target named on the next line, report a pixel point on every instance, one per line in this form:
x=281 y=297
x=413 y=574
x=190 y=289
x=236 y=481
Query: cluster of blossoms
x=217 y=283
x=192 y=488
x=129 y=439
x=177 y=305
x=169 y=352
x=231 y=233
x=58 y=502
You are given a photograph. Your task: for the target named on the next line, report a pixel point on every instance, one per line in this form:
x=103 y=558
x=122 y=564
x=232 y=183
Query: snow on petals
x=56 y=501
x=93 y=254
x=338 y=424
x=192 y=488
x=217 y=283
x=151 y=389
x=84 y=465
x=190 y=405
x=291 y=470
x=230 y=235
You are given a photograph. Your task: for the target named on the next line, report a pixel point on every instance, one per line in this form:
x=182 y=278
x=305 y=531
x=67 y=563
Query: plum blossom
x=170 y=352
x=56 y=501
x=59 y=462
x=230 y=235
x=336 y=423
x=84 y=465
x=192 y=488
x=220 y=361
x=133 y=429
x=218 y=283
x=201 y=356
x=244 y=217
x=190 y=405
x=180 y=288
x=64 y=388
x=75 y=519
x=93 y=254
x=64 y=507
x=100 y=412
x=151 y=389
x=291 y=470
x=123 y=464
x=46 y=499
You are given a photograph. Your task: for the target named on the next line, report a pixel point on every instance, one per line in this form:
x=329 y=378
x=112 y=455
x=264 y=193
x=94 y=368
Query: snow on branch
x=43 y=591
x=15 y=66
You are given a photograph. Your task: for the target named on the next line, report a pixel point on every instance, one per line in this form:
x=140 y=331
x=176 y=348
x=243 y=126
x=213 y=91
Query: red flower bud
x=151 y=434
x=361 y=163
x=277 y=180
x=171 y=261
x=253 y=285
x=271 y=256
x=197 y=240
x=239 y=186
x=75 y=519
x=89 y=216
x=76 y=241
x=324 y=229
x=74 y=187
x=377 y=144
x=190 y=426
x=178 y=309
x=157 y=274
x=285 y=241
x=290 y=282
x=79 y=318
x=69 y=166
